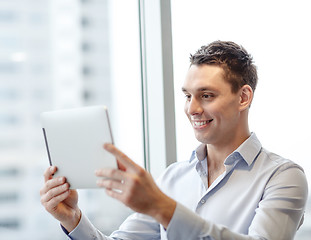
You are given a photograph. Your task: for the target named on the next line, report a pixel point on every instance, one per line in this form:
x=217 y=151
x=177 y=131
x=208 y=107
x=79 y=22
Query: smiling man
x=231 y=188
x=217 y=114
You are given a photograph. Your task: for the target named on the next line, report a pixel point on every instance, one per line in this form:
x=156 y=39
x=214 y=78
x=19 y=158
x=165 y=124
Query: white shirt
x=259 y=196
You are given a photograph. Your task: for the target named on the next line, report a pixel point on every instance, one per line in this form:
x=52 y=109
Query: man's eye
x=207 y=96
x=188 y=97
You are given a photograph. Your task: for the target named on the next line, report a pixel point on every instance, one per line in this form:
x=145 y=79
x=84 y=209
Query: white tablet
x=74 y=140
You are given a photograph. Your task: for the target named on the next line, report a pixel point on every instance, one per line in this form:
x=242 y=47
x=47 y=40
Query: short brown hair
x=233 y=58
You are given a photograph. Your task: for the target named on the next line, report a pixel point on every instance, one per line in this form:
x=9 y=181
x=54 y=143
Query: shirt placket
x=230 y=163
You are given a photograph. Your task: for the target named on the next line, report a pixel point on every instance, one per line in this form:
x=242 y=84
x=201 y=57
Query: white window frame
x=158 y=85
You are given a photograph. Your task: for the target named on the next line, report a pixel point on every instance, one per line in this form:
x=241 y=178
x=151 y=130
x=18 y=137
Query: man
x=232 y=188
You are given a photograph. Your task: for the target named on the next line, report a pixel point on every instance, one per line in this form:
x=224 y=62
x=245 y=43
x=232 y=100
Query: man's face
x=213 y=110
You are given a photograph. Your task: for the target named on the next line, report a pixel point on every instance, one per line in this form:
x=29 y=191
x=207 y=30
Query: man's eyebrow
x=184 y=89
x=202 y=89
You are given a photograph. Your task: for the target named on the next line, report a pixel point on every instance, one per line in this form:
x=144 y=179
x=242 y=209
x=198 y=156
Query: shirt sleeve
x=136 y=226
x=86 y=231
x=280 y=212
x=278 y=216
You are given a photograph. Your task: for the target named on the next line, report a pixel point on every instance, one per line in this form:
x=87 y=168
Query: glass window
x=276 y=34
x=63 y=54
x=7 y=16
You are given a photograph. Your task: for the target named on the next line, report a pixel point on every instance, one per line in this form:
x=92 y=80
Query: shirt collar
x=248 y=151
x=199 y=153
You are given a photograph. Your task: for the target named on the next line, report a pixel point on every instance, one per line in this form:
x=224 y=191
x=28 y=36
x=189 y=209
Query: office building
x=53 y=54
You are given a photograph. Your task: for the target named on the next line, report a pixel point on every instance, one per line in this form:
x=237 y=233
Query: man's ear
x=246 y=97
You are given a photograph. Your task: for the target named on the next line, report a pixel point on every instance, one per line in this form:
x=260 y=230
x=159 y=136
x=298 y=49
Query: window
x=63 y=54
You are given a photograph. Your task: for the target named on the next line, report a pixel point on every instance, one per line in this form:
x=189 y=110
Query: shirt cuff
x=185 y=224
x=84 y=230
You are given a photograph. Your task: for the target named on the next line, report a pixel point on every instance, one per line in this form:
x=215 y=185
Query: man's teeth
x=200 y=123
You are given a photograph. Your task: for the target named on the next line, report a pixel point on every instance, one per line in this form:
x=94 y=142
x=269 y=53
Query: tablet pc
x=74 y=141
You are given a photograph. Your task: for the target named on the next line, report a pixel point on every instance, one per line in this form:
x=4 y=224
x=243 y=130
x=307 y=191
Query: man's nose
x=194 y=107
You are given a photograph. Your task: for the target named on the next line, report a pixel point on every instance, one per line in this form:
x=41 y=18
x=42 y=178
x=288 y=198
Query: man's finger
x=52 y=193
x=115 y=174
x=121 y=166
x=111 y=184
x=49 y=173
x=53 y=202
x=52 y=183
x=124 y=160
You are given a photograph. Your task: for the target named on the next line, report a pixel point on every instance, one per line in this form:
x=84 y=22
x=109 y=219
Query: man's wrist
x=164 y=211
x=69 y=226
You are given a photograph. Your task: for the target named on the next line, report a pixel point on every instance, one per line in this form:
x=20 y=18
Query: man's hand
x=59 y=200
x=135 y=187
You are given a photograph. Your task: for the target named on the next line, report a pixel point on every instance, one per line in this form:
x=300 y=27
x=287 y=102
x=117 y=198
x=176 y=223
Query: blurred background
x=57 y=54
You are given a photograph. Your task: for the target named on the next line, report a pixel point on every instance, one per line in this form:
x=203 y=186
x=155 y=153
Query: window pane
x=57 y=54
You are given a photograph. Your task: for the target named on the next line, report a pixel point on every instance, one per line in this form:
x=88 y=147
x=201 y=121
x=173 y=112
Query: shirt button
x=203 y=201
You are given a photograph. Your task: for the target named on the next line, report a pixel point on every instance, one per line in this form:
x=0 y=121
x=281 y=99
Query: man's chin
x=202 y=139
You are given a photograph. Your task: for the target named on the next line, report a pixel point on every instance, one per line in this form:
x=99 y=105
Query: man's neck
x=217 y=153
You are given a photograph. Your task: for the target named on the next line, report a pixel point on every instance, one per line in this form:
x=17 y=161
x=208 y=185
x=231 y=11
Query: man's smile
x=198 y=124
